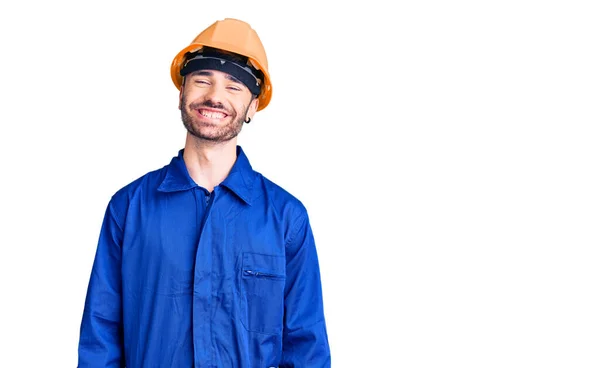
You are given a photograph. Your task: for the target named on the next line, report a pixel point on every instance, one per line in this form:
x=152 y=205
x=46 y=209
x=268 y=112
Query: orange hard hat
x=230 y=35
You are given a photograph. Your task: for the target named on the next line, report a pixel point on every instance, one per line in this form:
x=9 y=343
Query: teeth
x=212 y=114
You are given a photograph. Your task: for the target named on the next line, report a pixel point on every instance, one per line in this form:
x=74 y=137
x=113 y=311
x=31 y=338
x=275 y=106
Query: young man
x=205 y=262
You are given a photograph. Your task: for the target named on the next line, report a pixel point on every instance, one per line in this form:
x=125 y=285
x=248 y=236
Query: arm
x=101 y=341
x=305 y=341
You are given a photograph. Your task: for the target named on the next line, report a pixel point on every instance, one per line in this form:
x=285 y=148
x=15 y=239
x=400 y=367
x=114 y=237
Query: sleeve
x=101 y=332
x=305 y=341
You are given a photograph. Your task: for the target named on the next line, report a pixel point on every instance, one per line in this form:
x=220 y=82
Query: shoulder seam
x=296 y=228
x=113 y=213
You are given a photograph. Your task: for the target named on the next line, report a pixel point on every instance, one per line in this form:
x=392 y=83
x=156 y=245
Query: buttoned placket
x=202 y=294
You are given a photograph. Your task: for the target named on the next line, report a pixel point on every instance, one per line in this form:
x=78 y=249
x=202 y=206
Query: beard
x=210 y=132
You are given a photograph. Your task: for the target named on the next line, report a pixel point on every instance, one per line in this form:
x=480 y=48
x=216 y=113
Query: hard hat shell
x=235 y=36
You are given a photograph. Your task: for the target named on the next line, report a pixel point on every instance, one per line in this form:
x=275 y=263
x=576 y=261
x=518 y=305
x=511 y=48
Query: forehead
x=214 y=74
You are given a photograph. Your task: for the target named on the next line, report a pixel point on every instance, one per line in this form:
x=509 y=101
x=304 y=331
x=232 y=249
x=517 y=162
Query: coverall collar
x=239 y=180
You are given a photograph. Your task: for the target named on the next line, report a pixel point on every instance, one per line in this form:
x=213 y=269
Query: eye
x=201 y=81
x=234 y=88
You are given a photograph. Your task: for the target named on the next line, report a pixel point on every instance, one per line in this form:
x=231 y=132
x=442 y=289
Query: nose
x=215 y=94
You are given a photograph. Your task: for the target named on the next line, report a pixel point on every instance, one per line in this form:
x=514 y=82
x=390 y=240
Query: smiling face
x=214 y=105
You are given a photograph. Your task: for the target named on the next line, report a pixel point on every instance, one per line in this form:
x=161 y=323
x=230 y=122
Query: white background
x=447 y=151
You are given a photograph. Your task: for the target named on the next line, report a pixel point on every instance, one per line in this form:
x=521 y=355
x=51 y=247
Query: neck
x=209 y=163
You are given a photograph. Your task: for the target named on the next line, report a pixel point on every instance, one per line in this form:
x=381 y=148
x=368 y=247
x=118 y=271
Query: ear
x=252 y=108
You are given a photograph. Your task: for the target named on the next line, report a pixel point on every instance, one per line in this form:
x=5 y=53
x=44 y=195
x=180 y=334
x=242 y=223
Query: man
x=205 y=262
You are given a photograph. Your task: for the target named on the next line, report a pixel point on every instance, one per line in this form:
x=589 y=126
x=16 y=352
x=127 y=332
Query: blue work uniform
x=184 y=277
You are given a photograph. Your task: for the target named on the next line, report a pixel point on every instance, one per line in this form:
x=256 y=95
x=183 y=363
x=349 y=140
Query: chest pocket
x=262 y=286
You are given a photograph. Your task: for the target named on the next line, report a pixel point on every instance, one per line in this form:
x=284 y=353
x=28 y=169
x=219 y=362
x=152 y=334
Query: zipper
x=262 y=274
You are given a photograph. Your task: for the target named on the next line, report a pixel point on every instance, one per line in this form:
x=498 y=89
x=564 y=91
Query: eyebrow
x=208 y=73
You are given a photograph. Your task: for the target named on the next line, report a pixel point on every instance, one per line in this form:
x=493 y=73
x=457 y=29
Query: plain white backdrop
x=448 y=154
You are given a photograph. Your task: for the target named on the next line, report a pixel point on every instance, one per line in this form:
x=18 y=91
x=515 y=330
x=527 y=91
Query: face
x=214 y=105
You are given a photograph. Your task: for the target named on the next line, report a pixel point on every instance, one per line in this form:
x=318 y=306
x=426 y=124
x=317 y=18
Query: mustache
x=210 y=104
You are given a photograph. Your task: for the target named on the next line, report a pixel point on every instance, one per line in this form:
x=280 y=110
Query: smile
x=211 y=114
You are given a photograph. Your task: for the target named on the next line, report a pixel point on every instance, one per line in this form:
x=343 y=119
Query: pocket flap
x=254 y=264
